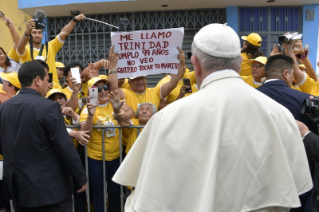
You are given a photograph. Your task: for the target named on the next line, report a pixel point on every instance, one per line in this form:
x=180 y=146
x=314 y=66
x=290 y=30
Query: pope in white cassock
x=226 y=148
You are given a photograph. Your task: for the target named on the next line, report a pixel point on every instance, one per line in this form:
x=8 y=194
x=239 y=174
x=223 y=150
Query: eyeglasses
x=257 y=65
x=104 y=87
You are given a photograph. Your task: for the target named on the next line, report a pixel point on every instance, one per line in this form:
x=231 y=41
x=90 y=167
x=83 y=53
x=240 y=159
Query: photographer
x=54 y=45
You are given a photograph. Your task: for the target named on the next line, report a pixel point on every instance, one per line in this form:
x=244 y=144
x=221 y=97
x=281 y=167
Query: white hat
x=218 y=40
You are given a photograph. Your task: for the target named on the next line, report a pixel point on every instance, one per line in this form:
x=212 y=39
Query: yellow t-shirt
x=245 y=68
x=102 y=116
x=14 y=55
x=250 y=81
x=68 y=92
x=129 y=135
x=151 y=95
x=126 y=85
x=194 y=89
x=175 y=92
x=53 y=47
x=296 y=87
x=308 y=85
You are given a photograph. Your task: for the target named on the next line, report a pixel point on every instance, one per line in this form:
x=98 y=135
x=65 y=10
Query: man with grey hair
x=198 y=155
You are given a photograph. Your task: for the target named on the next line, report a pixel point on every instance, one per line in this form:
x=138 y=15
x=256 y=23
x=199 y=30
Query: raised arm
x=305 y=60
x=298 y=74
x=74 y=99
x=170 y=85
x=14 y=34
x=112 y=77
x=24 y=39
x=88 y=124
x=67 y=29
x=92 y=70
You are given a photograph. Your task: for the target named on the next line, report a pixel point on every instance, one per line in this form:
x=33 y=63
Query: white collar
x=257 y=83
x=271 y=80
x=103 y=105
x=216 y=73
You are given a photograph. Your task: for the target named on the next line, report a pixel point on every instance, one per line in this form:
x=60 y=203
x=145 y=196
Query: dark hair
x=252 y=51
x=44 y=64
x=277 y=64
x=15 y=88
x=29 y=71
x=8 y=63
x=53 y=95
x=68 y=67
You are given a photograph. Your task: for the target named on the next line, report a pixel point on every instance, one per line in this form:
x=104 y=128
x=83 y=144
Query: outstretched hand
x=115 y=100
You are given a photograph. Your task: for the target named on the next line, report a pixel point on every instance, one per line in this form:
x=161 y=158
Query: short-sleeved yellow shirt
x=129 y=135
x=14 y=55
x=308 y=85
x=175 y=92
x=53 y=47
x=151 y=95
x=245 y=68
x=250 y=81
x=102 y=116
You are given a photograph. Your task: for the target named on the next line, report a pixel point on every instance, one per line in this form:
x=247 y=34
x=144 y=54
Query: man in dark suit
x=39 y=156
x=279 y=76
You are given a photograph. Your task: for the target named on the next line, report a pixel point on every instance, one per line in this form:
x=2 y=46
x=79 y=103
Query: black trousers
x=64 y=206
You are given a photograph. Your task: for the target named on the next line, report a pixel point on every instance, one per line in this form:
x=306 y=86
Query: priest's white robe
x=226 y=148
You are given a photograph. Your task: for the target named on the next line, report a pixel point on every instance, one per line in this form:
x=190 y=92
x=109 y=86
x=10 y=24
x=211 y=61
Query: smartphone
x=50 y=77
x=93 y=95
x=187 y=82
x=76 y=74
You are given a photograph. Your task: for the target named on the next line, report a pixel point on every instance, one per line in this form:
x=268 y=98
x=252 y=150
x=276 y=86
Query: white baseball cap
x=218 y=40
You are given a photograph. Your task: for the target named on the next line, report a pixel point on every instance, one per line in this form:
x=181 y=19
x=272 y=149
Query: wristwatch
x=73 y=19
x=112 y=72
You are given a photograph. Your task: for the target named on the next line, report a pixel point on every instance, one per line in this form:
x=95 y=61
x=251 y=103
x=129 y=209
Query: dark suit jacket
x=292 y=100
x=289 y=98
x=39 y=156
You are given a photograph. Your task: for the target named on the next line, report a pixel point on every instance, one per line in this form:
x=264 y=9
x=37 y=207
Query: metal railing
x=103 y=128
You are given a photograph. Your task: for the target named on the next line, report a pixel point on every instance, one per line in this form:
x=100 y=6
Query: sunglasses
x=104 y=87
x=257 y=65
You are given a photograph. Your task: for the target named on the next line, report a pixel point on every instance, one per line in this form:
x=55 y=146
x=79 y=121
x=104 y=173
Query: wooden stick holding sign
x=147 y=52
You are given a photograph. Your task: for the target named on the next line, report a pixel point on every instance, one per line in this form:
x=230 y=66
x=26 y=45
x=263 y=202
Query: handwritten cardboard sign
x=147 y=52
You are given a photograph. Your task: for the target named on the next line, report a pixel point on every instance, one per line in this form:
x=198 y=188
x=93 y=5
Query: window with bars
x=269 y=23
x=90 y=41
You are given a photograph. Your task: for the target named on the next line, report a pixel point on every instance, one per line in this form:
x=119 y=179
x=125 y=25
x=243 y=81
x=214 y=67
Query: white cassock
x=226 y=148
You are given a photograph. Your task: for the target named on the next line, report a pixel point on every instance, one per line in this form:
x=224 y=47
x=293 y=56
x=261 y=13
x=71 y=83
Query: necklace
x=139 y=97
x=108 y=112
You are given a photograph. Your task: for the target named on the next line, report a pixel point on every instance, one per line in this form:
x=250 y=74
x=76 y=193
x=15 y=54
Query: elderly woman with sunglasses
x=95 y=116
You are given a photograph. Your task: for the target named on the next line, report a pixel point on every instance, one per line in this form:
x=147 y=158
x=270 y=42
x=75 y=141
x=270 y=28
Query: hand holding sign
x=148 y=52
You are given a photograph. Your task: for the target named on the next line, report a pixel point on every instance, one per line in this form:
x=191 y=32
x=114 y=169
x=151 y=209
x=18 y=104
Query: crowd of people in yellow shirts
x=141 y=102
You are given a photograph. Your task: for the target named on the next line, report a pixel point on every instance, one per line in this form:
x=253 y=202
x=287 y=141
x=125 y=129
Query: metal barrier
x=103 y=128
x=103 y=151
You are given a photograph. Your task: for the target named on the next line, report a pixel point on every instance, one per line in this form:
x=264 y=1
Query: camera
x=311 y=108
x=289 y=38
x=39 y=24
x=39 y=15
